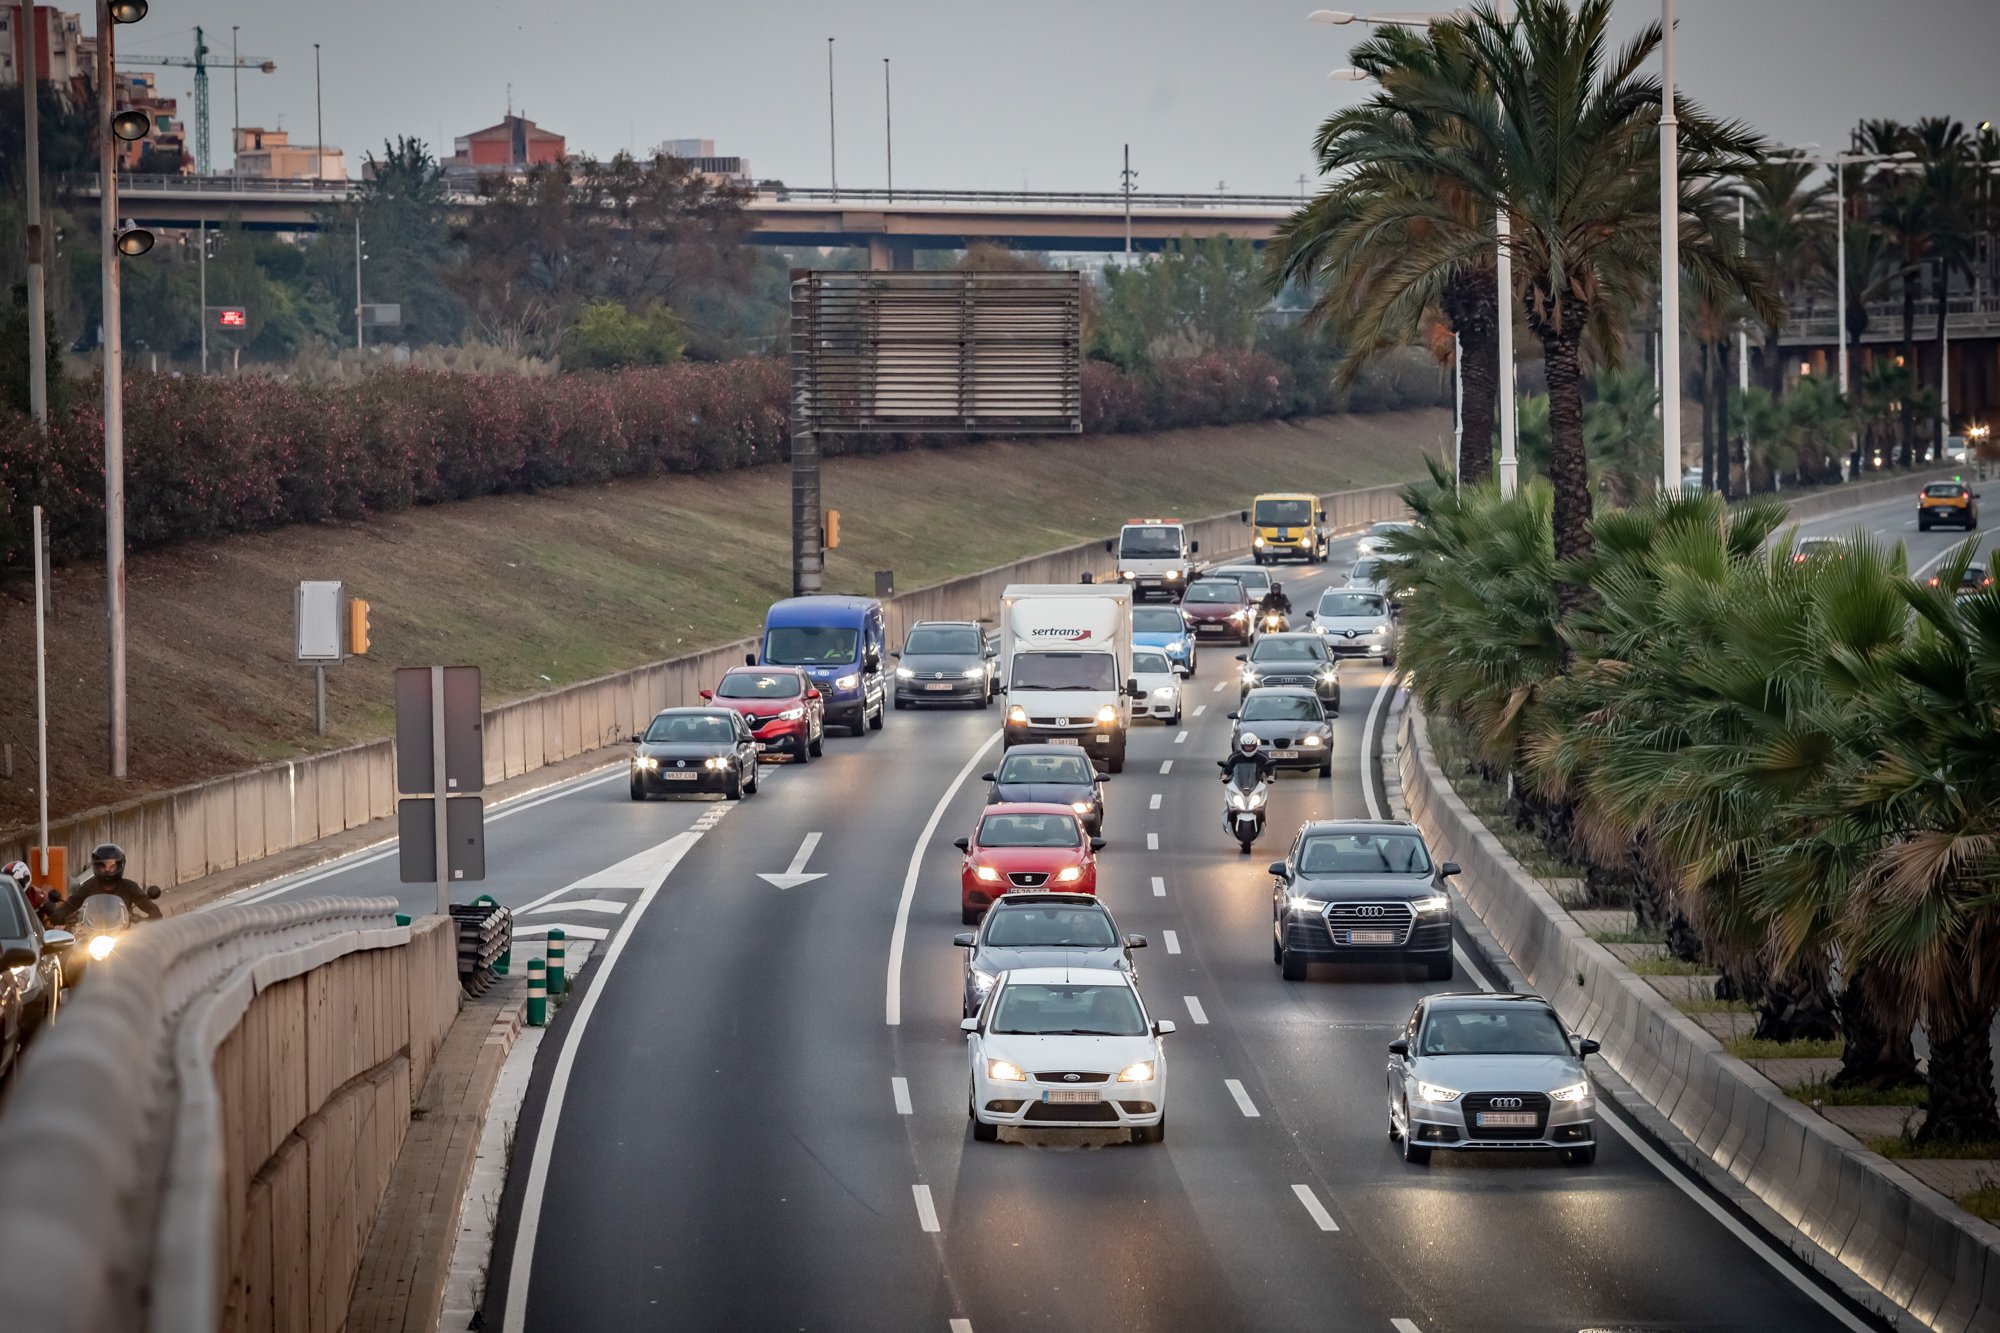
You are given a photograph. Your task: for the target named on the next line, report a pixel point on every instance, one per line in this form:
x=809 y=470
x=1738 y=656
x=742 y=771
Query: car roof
x=1286 y=495
x=765 y=671
x=1233 y=569
x=1360 y=826
x=947 y=624
x=696 y=710
x=1305 y=635
x=1268 y=691
x=1026 y=807
x=1031 y=747
x=810 y=610
x=1056 y=976
x=1471 y=999
x=1035 y=898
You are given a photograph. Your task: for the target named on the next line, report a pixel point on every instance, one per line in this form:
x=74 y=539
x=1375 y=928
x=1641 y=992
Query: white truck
x=1066 y=666
x=1155 y=556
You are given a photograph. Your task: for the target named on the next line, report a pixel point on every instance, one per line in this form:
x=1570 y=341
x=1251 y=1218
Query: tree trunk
x=1961 y=1079
x=1708 y=450
x=1797 y=1005
x=1470 y=303
x=1773 y=367
x=1910 y=368
x=1722 y=417
x=1569 y=469
x=1941 y=287
x=1878 y=1052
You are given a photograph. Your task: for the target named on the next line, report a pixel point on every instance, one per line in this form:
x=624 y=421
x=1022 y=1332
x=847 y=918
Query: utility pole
x=114 y=388
x=235 y=97
x=888 y=130
x=832 y=145
x=1670 y=262
x=319 y=123
x=1126 y=178
x=38 y=341
x=359 y=344
x=203 y=265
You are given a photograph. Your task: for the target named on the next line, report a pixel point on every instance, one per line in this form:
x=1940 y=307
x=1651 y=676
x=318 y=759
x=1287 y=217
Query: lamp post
x=888 y=131
x=1670 y=262
x=235 y=97
x=832 y=145
x=319 y=124
x=359 y=341
x=38 y=342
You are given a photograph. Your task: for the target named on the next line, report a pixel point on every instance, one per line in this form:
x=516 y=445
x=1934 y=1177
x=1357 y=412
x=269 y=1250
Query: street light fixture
x=1349 y=75
x=131 y=126
x=127 y=11
x=132 y=239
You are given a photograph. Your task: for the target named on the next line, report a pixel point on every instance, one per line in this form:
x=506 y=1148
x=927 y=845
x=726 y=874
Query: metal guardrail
x=485 y=935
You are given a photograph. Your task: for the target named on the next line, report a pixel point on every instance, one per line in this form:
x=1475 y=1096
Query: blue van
x=841 y=642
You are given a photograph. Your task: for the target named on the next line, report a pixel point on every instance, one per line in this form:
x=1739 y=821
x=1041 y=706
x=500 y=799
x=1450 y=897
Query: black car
x=695 y=750
x=1299 y=660
x=31 y=977
x=1290 y=724
x=1975 y=579
x=1042 y=930
x=1360 y=891
x=946 y=661
x=1052 y=775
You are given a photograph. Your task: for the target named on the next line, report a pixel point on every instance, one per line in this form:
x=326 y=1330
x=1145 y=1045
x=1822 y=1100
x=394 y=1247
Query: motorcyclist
x=1276 y=602
x=107 y=875
x=24 y=879
x=1249 y=754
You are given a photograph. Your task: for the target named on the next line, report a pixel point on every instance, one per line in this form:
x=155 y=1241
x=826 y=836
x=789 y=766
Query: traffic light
x=832 y=528
x=357 y=627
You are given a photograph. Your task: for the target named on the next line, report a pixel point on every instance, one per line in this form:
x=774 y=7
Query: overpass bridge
x=893 y=225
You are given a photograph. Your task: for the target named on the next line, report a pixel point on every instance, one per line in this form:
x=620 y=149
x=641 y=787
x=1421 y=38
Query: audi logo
x=1505 y=1103
x=1072 y=1078
x=1371 y=909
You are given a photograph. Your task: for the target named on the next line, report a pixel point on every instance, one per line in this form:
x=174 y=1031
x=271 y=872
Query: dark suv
x=1360 y=891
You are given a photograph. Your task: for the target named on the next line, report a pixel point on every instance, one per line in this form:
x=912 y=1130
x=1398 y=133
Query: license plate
x=1505 y=1119
x=761 y=747
x=680 y=777
x=941 y=685
x=1066 y=1097
x=1371 y=937
x=1062 y=740
x=1284 y=754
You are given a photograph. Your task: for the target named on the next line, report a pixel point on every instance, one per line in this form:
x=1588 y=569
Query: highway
x=753 y=1113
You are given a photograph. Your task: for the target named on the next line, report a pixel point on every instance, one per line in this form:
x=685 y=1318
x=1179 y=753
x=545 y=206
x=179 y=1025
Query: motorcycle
x=1243 y=801
x=1273 y=622
x=100 y=926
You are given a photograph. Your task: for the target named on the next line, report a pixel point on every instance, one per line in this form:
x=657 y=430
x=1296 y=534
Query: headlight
x=102 y=945
x=1298 y=904
x=1069 y=875
x=986 y=874
x=644 y=761
x=1249 y=675
x=1575 y=1092
x=23 y=972
x=1005 y=1071
x=1139 y=1071
x=982 y=980
x=791 y=715
x=904 y=673
x=1177 y=646
x=1173 y=575
x=1247 y=800
x=1379 y=629
x=846 y=682
x=1081 y=807
x=1312 y=741
x=716 y=762
x=1016 y=713
x=1164 y=692
x=974 y=673
x=1127 y=574
x=1257 y=541
x=1329 y=675
x=1240 y=615
x=1432 y=1092
x=1107 y=714
x=1434 y=903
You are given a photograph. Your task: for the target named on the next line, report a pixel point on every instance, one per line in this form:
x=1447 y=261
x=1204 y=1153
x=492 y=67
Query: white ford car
x=1066 y=1047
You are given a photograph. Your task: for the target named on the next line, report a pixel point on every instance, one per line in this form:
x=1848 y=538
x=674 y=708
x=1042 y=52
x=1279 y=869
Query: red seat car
x=785 y=712
x=1022 y=845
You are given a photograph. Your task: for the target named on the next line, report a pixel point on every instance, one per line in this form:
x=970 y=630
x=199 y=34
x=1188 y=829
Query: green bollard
x=558 y=953
x=505 y=961
x=538 y=994
x=402 y=918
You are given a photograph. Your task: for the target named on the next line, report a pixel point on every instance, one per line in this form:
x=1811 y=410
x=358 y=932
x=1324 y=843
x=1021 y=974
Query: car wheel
x=968 y=916
x=1413 y=1154
x=1439 y=969
x=735 y=790
x=1580 y=1156
x=1177 y=717
x=802 y=751
x=751 y=786
x=1388 y=661
x=875 y=719
x=1151 y=1133
x=1292 y=964
x=638 y=790
x=1194 y=663
x=986 y=699
x=1326 y=767
x=1923 y=524
x=1277 y=950
x=1118 y=760
x=1395 y=1135
x=818 y=745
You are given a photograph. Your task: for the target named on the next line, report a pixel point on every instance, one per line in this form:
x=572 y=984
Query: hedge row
x=207 y=457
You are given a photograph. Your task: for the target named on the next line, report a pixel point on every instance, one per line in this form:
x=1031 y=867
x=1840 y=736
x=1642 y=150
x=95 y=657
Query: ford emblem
x=1072 y=1078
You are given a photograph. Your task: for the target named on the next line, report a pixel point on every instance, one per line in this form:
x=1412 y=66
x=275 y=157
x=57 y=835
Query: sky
x=1010 y=94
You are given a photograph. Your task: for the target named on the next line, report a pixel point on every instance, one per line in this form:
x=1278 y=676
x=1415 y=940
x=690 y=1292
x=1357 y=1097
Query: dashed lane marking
x=1180 y=738
x=1154 y=803
x=1315 y=1207
x=1152 y=842
x=1405 y=1326
x=1220 y=686
x=1159 y=887
x=1173 y=940
x=1243 y=1102
x=899 y=1088
x=927 y=1216
x=1199 y=709
x=961 y=1326
x=1195 y=1011
x=1166 y=767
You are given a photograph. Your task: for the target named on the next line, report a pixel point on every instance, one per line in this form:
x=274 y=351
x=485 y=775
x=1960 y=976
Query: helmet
x=1248 y=742
x=18 y=872
x=1276 y=586
x=111 y=855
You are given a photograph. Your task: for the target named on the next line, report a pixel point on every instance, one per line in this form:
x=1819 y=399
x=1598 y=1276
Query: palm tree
x=1788 y=231
x=1622 y=434
x=1950 y=185
x=1902 y=213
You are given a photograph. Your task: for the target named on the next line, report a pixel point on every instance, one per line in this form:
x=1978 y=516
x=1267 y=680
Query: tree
x=1788 y=232
x=1195 y=296
x=1899 y=209
x=607 y=336
x=404 y=221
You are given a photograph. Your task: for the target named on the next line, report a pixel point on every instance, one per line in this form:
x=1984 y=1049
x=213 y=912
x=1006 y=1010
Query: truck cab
x=1289 y=525
x=1066 y=667
x=840 y=644
x=1155 y=557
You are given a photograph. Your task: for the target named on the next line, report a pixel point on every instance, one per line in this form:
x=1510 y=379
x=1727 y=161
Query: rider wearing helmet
x=107 y=875
x=1249 y=752
x=24 y=880
x=1275 y=600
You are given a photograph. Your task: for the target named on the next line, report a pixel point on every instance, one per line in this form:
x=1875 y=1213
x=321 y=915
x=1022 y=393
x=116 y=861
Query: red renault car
x=784 y=710
x=1023 y=845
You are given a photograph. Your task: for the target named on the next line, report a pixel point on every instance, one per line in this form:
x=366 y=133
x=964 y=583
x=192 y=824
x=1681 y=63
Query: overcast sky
x=1008 y=94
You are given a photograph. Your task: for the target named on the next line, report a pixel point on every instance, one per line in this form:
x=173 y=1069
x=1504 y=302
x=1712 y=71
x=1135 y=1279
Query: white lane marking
x=1159 y=886
x=796 y=874
x=1368 y=745
x=569 y=931
x=961 y=1326
x=1152 y=842
x=1405 y=1326
x=522 y=1265
x=1173 y=940
x=893 y=1003
x=601 y=905
x=1315 y=1207
x=926 y=1210
x=1154 y=802
x=1220 y=686
x=1166 y=767
x=1195 y=1011
x=1937 y=559
x=1243 y=1102
x=1180 y=738
x=899 y=1088
x=1199 y=709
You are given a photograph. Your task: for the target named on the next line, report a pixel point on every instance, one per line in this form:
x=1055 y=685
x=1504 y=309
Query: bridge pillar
x=891 y=254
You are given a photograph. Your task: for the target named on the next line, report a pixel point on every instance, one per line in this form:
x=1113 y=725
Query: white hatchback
x=1069 y=1048
x=1159 y=681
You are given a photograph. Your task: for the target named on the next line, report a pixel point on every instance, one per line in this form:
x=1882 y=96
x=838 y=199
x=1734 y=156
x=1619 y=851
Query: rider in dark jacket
x=107 y=875
x=1275 y=600
x=1249 y=754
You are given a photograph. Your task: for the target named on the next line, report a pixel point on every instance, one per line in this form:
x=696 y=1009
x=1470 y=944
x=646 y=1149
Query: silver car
x=1355 y=622
x=1042 y=930
x=1376 y=540
x=1481 y=1071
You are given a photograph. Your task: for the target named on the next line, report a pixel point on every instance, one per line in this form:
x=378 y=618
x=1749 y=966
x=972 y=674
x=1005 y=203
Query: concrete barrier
x=1930 y=1258
x=215 y=1119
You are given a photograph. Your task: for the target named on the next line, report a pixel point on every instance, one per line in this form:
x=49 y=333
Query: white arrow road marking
x=602 y=905
x=642 y=870
x=927 y=1216
x=792 y=878
x=1315 y=1207
x=1173 y=941
x=1243 y=1102
x=569 y=931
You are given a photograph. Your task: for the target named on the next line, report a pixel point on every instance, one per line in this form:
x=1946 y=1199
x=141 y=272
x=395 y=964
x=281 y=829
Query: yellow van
x=1288 y=525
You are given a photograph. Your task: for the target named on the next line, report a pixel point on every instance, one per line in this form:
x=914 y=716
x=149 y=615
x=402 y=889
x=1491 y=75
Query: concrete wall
x=1920 y=1250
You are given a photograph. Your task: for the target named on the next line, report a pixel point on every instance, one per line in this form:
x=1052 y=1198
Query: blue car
x=1165 y=628
x=839 y=641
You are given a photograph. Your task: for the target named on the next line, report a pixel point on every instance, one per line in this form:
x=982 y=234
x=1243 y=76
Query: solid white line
x=1166 y=767
x=1152 y=842
x=601 y=905
x=1405 y=1326
x=899 y=1088
x=1154 y=803
x=1936 y=560
x=1199 y=709
x=1315 y=1207
x=522 y=1265
x=1159 y=885
x=569 y=931
x=1173 y=940
x=1368 y=745
x=1246 y=1106
x=1195 y=1011
x=893 y=1005
x=926 y=1210
x=1180 y=738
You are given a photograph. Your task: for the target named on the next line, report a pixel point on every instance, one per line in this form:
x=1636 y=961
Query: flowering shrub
x=206 y=457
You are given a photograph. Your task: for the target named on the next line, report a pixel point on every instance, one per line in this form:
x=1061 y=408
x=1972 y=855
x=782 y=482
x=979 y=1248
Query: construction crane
x=201 y=65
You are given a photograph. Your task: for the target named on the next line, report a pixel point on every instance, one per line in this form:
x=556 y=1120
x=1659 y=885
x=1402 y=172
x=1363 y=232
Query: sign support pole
x=438 y=792
x=808 y=557
x=319 y=699
x=41 y=692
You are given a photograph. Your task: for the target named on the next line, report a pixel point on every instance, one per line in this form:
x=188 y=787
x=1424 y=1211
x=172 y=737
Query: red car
x=784 y=710
x=1218 y=608
x=1023 y=845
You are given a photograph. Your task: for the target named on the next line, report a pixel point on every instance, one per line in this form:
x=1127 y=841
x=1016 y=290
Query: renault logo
x=1072 y=1078
x=1351 y=633
x=1506 y=1103
x=1062 y=721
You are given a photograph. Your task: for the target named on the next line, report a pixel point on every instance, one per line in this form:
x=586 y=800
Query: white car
x=1355 y=622
x=1159 y=680
x=1066 y=1047
x=1376 y=540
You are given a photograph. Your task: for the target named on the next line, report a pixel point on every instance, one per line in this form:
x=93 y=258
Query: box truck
x=1066 y=665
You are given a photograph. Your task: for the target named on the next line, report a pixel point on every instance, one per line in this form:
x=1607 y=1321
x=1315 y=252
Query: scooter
x=1243 y=809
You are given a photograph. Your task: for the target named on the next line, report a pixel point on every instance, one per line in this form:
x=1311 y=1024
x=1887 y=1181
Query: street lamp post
x=319 y=124
x=1670 y=263
x=38 y=342
x=832 y=145
x=888 y=130
x=359 y=342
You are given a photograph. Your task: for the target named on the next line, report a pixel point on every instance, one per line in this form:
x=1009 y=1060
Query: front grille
x=1305 y=935
x=1299 y=682
x=1031 y=879
x=1475 y=1102
x=1343 y=919
x=1090 y=1111
x=1073 y=723
x=1066 y=1075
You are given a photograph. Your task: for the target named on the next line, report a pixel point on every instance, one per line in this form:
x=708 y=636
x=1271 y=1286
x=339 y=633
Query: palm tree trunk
x=1878 y=1052
x=1569 y=470
x=1774 y=367
x=1722 y=417
x=1796 y=1005
x=1910 y=368
x=1708 y=451
x=1961 y=1080
x=1941 y=288
x=1471 y=303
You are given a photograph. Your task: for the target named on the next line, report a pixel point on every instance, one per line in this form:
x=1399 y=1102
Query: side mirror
x=968 y=1025
x=987 y=777
x=1194 y=548
x=1110 y=545
x=872 y=662
x=963 y=844
x=1135 y=941
x=1244 y=516
x=1242 y=657
x=1232 y=716
x=749 y=659
x=708 y=694
x=1309 y=615
x=992 y=654
x=812 y=694
x=18 y=955
x=1277 y=868
x=1132 y=690
x=1448 y=869
x=1399 y=1047
x=1164 y=1028
x=634 y=738
x=55 y=941
x=1097 y=844
x=1181 y=671
x=963 y=940
x=1587 y=1046
x=152 y=891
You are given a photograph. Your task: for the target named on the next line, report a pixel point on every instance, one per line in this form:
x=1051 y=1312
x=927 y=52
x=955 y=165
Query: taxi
x=1947 y=502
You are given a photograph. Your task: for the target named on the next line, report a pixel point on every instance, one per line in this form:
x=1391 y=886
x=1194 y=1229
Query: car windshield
x=1069 y=1011
x=1514 y=1029
x=1384 y=529
x=1150 y=543
x=1369 y=571
x=1286 y=650
x=1068 y=769
x=1050 y=927
x=1002 y=830
x=1364 y=854
x=811 y=645
x=1944 y=490
x=1065 y=671
x=1150 y=664
x=1280 y=708
x=1157 y=620
x=691 y=728
x=1284 y=513
x=757 y=685
x=945 y=640
x=1214 y=590
x=1351 y=605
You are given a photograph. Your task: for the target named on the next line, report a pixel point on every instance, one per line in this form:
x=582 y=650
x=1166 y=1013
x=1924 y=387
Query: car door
x=1399 y=1065
x=746 y=748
